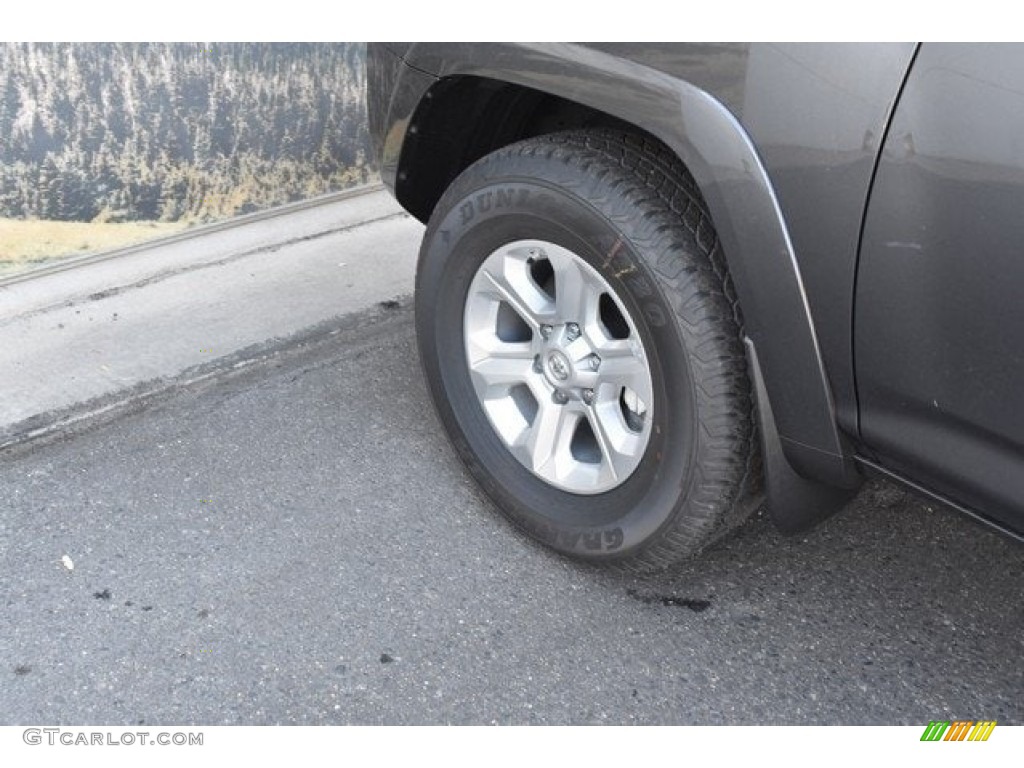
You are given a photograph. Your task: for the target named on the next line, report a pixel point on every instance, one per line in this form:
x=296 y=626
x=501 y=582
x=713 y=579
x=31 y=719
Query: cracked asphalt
x=294 y=542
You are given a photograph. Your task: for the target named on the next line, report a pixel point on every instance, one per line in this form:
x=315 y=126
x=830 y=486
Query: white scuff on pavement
x=67 y=562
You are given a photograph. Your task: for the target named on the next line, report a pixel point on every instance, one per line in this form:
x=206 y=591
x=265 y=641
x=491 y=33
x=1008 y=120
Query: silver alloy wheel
x=558 y=366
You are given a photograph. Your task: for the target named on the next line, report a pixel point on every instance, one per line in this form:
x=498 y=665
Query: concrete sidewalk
x=92 y=337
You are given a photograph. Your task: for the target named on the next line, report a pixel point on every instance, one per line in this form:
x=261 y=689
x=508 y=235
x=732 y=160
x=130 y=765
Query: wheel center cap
x=559 y=366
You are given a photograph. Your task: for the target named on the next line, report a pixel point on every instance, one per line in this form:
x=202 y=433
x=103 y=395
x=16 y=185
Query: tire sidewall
x=472 y=221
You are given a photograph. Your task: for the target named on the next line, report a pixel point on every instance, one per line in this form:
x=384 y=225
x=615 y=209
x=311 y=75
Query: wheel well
x=461 y=119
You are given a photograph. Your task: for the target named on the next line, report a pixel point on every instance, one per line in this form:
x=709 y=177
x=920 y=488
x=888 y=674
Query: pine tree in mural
x=123 y=132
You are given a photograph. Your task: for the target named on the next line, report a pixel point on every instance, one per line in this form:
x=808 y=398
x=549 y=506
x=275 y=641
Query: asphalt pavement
x=293 y=542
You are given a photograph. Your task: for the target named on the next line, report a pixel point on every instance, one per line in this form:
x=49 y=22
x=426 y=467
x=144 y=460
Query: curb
x=97 y=334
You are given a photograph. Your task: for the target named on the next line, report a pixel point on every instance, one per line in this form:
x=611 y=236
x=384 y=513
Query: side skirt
x=938 y=498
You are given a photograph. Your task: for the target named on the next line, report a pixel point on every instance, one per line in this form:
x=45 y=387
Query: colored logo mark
x=958 y=730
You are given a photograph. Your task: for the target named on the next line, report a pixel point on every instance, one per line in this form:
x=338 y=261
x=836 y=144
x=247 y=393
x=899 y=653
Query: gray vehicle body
x=868 y=201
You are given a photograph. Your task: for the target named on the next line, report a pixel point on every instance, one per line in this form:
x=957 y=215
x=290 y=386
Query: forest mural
x=162 y=132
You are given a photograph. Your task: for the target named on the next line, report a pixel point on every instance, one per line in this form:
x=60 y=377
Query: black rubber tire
x=629 y=208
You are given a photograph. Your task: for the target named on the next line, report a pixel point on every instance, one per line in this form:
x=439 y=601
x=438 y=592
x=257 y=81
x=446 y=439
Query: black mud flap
x=795 y=502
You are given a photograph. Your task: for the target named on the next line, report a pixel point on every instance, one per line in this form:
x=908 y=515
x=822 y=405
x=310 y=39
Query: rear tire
x=582 y=344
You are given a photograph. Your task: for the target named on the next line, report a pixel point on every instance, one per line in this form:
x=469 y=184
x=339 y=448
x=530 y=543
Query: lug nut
x=545 y=331
x=588 y=396
x=595 y=362
x=559 y=397
x=572 y=331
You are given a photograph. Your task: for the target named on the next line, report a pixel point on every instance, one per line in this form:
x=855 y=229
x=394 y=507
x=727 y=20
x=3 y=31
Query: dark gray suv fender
x=692 y=108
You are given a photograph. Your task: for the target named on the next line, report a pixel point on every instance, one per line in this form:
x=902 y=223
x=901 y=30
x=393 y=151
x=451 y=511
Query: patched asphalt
x=294 y=542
